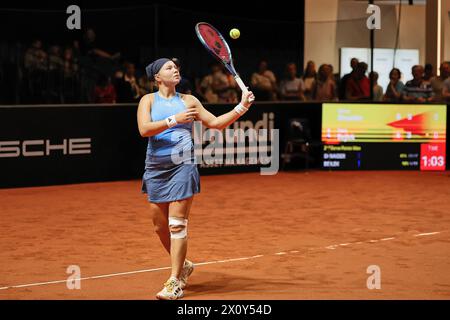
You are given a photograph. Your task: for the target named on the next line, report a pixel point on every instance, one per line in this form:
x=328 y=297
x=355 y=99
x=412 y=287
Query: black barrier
x=63 y=144
x=48 y=145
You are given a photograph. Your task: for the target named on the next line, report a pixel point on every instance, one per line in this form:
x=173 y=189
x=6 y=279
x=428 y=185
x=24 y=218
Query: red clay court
x=294 y=235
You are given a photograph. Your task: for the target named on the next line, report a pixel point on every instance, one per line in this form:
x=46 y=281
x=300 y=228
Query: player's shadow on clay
x=216 y=283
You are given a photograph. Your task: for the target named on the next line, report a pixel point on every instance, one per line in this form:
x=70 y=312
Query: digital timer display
x=384 y=136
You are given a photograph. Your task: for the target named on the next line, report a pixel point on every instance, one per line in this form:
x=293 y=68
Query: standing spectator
x=94 y=62
x=437 y=83
x=416 y=90
x=343 y=83
x=127 y=87
x=309 y=78
x=377 y=89
x=292 y=87
x=89 y=46
x=358 y=86
x=104 y=91
x=264 y=83
x=325 y=87
x=394 y=90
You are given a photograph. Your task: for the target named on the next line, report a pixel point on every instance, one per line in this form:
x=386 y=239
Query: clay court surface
x=294 y=235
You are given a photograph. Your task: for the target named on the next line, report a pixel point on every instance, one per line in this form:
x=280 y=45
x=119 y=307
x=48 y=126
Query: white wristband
x=171 y=121
x=240 y=109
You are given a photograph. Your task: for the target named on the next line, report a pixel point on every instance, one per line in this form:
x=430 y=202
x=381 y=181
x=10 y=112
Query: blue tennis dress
x=170 y=171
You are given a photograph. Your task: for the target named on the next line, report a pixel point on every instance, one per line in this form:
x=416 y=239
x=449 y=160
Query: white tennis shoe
x=188 y=268
x=171 y=290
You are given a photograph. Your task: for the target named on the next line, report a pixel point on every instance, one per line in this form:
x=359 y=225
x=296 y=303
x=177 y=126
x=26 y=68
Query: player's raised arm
x=223 y=121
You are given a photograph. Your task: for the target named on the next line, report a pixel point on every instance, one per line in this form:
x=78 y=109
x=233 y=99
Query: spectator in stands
x=325 y=87
x=104 y=91
x=184 y=86
x=358 y=86
x=89 y=47
x=35 y=72
x=309 y=78
x=446 y=88
x=292 y=87
x=145 y=85
x=394 y=90
x=214 y=86
x=70 y=76
x=428 y=74
x=35 y=56
x=55 y=61
x=377 y=89
x=437 y=83
x=416 y=90
x=55 y=75
x=127 y=87
x=264 y=83
x=343 y=83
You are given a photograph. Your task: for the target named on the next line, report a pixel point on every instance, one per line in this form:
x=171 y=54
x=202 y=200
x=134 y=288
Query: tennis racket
x=215 y=43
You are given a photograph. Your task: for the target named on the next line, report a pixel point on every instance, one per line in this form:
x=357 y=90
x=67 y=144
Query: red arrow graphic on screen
x=415 y=125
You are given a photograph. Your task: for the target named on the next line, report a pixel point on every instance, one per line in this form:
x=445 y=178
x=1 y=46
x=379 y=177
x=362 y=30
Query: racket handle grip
x=241 y=84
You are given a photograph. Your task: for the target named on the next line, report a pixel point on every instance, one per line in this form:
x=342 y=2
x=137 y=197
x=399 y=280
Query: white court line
x=86 y=278
x=425 y=234
x=332 y=247
x=124 y=273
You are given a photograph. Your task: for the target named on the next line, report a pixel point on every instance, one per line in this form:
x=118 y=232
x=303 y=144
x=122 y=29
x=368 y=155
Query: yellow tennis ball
x=235 y=33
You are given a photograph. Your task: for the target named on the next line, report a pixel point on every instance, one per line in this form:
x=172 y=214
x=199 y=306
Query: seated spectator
x=145 y=85
x=70 y=77
x=358 y=86
x=394 y=90
x=185 y=85
x=35 y=72
x=35 y=57
x=325 y=88
x=428 y=74
x=446 y=90
x=55 y=75
x=343 y=83
x=292 y=87
x=309 y=78
x=437 y=83
x=214 y=86
x=104 y=91
x=264 y=83
x=127 y=87
x=416 y=90
x=377 y=89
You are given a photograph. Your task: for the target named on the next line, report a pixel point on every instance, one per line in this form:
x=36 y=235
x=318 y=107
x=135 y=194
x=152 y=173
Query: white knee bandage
x=174 y=222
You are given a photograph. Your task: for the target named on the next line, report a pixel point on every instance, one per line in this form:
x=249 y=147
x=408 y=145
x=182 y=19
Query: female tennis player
x=166 y=117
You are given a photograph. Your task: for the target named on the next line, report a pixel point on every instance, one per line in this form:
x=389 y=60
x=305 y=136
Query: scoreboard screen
x=383 y=136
